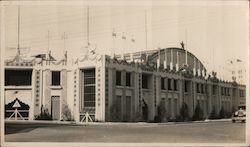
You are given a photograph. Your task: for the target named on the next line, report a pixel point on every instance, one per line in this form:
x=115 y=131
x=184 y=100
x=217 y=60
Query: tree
x=66 y=113
x=198 y=113
x=222 y=113
x=162 y=112
x=213 y=114
x=184 y=112
x=114 y=113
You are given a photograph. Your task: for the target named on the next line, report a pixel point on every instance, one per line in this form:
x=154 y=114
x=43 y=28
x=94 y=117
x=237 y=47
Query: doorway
x=55 y=107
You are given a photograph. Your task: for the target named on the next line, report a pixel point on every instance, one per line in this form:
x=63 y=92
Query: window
x=206 y=91
x=163 y=84
x=175 y=85
x=198 y=88
x=241 y=93
x=144 y=81
x=214 y=89
x=118 y=78
x=56 y=78
x=169 y=84
x=128 y=79
x=222 y=91
x=186 y=86
x=18 y=77
x=202 y=88
x=89 y=87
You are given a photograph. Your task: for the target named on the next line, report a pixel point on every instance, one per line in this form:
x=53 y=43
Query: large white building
x=128 y=88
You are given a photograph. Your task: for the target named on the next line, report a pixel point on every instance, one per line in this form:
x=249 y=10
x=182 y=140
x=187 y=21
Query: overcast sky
x=213 y=31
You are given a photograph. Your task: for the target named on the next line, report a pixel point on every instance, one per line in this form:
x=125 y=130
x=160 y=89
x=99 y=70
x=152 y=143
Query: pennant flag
x=40 y=56
x=238 y=60
x=113 y=34
x=182 y=45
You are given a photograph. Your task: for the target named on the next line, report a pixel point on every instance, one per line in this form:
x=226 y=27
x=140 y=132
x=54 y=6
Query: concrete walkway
x=106 y=123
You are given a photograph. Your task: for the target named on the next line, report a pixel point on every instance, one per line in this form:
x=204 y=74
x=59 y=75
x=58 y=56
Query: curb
x=41 y=122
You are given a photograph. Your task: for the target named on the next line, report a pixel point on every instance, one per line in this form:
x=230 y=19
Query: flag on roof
x=113 y=34
x=238 y=60
x=42 y=56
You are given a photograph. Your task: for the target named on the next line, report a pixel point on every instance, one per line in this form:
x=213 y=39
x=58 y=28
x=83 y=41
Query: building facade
x=128 y=88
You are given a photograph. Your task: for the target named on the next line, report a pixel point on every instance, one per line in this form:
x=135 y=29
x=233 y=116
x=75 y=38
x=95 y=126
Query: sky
x=215 y=32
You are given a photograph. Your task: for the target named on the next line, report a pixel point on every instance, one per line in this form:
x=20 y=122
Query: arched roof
x=154 y=56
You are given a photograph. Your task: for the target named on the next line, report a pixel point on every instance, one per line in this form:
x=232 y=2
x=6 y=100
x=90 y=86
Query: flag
x=238 y=60
x=113 y=34
x=40 y=56
x=182 y=45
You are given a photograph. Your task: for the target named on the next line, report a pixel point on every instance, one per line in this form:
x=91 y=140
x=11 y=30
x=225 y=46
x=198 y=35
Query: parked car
x=239 y=115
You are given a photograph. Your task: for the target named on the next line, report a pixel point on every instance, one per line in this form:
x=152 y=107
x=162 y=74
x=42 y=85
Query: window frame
x=55 y=80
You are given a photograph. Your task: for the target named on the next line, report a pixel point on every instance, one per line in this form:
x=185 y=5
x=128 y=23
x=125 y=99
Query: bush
x=157 y=119
x=66 y=113
x=179 y=118
x=198 y=113
x=44 y=115
x=162 y=112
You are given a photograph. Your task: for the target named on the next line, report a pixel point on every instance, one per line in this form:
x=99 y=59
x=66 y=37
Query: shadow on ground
x=11 y=129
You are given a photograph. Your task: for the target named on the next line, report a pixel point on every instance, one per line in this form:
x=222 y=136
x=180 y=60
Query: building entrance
x=123 y=108
x=55 y=107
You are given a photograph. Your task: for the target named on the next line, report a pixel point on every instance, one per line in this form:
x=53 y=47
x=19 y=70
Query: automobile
x=239 y=115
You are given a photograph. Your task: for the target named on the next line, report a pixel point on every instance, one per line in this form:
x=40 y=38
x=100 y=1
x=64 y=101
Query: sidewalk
x=106 y=123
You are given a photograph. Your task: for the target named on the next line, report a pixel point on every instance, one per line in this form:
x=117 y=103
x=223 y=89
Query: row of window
x=24 y=78
x=225 y=91
x=119 y=78
x=201 y=88
x=171 y=86
x=242 y=93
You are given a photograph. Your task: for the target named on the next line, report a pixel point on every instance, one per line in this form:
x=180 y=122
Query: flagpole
x=186 y=58
x=171 y=62
x=177 y=60
x=48 y=40
x=88 y=26
x=146 y=30
x=113 y=37
x=18 y=34
x=123 y=45
x=166 y=61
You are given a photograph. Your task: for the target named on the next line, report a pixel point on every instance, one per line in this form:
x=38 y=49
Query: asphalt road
x=209 y=132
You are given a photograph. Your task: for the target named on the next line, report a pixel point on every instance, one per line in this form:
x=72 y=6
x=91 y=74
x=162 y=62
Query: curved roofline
x=154 y=55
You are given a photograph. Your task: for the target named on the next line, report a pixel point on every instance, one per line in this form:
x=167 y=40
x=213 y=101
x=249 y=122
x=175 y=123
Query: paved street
x=208 y=132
